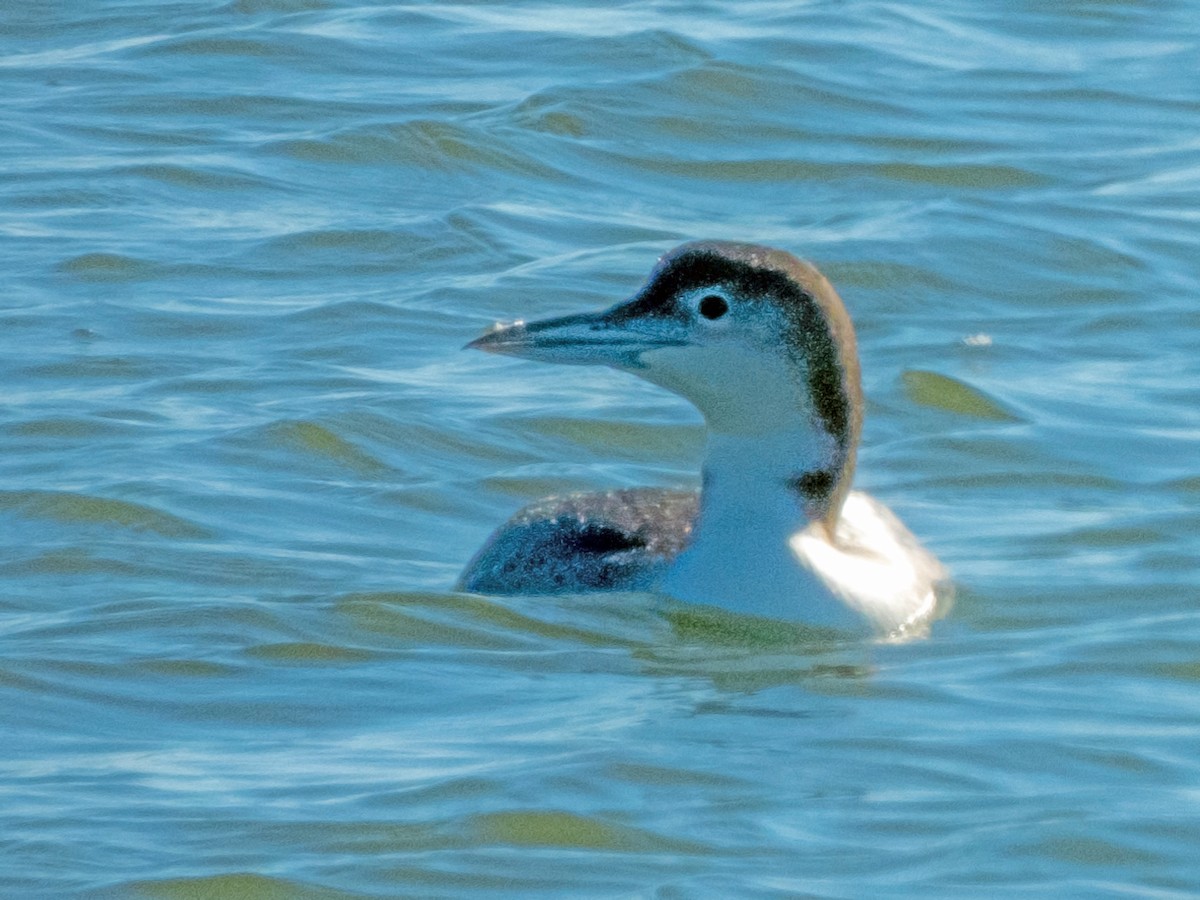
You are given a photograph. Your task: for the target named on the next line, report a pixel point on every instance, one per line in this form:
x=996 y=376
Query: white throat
x=740 y=556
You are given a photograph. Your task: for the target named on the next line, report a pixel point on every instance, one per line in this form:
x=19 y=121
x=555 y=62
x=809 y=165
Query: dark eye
x=713 y=306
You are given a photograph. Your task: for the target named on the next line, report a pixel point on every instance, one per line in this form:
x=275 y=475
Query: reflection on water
x=244 y=461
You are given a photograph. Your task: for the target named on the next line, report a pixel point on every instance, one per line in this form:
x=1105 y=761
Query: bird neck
x=792 y=475
x=740 y=556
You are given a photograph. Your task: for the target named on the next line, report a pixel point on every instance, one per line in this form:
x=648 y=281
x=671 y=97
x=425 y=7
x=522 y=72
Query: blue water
x=242 y=459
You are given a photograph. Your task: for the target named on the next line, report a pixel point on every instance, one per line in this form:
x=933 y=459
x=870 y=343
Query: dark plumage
x=614 y=540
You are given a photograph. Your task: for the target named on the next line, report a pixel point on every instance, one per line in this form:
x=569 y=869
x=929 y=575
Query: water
x=242 y=459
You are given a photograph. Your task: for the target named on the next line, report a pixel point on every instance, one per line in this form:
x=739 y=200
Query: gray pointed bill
x=614 y=337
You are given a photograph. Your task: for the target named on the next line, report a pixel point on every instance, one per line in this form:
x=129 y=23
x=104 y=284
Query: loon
x=761 y=344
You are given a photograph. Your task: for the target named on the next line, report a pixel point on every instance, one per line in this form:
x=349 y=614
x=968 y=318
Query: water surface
x=242 y=459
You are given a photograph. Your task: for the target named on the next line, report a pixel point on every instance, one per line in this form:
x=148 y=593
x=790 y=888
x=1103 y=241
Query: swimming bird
x=762 y=345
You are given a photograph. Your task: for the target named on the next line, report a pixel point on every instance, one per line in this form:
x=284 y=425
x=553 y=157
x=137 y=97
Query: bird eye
x=713 y=306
